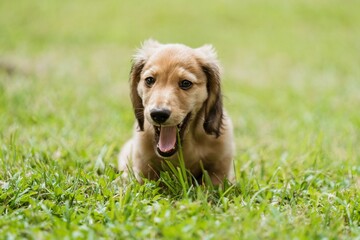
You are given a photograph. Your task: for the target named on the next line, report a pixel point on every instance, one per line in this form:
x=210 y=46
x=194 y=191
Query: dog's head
x=171 y=84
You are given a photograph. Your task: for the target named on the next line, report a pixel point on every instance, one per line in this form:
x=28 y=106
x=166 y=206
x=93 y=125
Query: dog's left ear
x=213 y=105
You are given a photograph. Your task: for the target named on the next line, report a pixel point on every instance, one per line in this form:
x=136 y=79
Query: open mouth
x=166 y=137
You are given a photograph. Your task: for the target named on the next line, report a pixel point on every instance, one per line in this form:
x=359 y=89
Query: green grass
x=291 y=85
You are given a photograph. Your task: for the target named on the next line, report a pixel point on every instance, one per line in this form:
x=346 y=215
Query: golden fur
x=205 y=129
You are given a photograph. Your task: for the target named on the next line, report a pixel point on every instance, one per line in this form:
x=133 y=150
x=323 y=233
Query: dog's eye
x=149 y=81
x=185 y=84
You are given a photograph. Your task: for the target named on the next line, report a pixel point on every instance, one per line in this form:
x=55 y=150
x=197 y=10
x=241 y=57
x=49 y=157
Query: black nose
x=160 y=115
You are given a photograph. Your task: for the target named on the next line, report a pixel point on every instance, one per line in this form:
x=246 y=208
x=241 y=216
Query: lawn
x=291 y=84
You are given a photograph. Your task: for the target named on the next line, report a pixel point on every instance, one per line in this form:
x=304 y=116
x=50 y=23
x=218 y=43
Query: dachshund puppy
x=176 y=96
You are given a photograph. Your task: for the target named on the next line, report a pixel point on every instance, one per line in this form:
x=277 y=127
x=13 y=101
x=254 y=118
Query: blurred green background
x=291 y=84
x=291 y=71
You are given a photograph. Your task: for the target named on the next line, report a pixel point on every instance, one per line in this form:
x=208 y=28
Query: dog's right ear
x=138 y=63
x=134 y=95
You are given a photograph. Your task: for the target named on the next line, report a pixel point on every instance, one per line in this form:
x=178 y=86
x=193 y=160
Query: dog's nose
x=160 y=115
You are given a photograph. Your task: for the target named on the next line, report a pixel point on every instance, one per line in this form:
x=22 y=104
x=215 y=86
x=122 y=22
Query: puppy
x=176 y=96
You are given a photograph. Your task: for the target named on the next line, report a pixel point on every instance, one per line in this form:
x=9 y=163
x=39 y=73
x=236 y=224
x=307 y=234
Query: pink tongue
x=167 y=138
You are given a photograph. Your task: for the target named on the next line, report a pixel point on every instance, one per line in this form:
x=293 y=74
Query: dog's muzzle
x=166 y=137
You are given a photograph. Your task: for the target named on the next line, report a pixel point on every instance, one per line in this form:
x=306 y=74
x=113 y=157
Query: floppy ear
x=135 y=98
x=213 y=105
x=138 y=63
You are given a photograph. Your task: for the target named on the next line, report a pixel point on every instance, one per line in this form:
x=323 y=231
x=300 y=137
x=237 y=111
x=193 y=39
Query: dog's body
x=175 y=91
